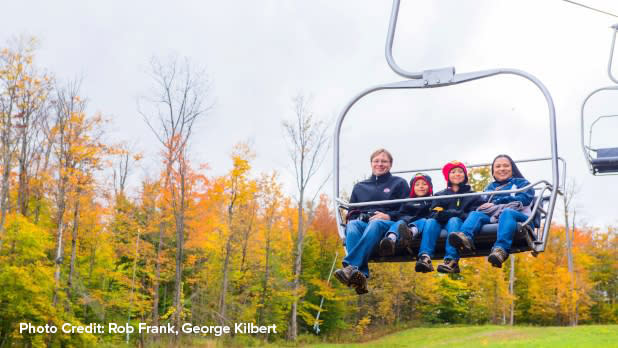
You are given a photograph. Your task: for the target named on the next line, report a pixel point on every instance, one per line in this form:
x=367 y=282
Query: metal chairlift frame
x=444 y=77
x=588 y=149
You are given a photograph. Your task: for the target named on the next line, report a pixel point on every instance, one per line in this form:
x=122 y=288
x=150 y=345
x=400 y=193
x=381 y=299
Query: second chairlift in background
x=601 y=161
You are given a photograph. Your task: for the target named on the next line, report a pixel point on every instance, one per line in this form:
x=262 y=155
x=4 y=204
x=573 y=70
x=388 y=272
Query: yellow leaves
x=28 y=241
x=362 y=325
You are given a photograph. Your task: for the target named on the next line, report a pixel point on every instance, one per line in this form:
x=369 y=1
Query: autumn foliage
x=78 y=247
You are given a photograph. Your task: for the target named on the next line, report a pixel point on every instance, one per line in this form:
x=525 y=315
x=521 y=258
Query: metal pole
x=392 y=24
x=511 y=289
x=611 y=54
x=316 y=325
x=133 y=281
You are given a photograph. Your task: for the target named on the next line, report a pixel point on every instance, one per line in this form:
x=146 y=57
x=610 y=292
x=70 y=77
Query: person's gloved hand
x=450 y=213
x=435 y=213
x=444 y=215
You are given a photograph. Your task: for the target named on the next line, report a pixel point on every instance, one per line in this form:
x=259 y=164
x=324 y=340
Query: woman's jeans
x=507 y=226
x=431 y=233
x=361 y=239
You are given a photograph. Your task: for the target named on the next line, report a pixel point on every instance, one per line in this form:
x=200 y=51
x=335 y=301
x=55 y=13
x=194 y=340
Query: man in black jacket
x=367 y=226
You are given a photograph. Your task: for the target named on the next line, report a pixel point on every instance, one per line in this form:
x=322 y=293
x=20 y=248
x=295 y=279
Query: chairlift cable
x=590 y=8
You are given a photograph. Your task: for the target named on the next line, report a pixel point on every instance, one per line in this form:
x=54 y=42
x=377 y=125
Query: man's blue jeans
x=507 y=226
x=431 y=233
x=361 y=239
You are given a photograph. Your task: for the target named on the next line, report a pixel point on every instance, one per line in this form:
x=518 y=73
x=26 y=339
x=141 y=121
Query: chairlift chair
x=532 y=234
x=601 y=161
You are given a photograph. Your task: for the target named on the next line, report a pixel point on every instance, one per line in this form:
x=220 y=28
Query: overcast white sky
x=259 y=54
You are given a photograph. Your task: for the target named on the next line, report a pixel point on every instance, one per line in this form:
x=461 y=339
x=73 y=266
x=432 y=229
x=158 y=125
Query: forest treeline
x=78 y=245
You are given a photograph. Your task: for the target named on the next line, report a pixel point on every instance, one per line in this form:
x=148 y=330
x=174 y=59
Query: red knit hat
x=424 y=177
x=454 y=164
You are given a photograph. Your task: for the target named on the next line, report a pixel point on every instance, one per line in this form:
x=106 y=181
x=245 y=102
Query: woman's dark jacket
x=454 y=207
x=379 y=188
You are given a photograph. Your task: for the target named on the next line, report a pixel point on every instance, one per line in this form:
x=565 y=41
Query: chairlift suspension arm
x=611 y=54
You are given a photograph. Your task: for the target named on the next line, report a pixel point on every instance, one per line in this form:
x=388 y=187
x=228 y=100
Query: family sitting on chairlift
x=387 y=227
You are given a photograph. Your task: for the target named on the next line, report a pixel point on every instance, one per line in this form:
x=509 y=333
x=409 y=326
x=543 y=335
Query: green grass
x=496 y=336
x=604 y=336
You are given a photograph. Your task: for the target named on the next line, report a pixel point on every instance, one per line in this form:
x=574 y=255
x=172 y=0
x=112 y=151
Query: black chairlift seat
x=523 y=241
x=606 y=161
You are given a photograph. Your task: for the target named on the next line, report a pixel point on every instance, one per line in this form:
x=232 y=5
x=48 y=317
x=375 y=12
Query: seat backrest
x=607 y=152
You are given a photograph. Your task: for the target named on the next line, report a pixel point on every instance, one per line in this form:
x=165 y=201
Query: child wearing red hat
x=448 y=213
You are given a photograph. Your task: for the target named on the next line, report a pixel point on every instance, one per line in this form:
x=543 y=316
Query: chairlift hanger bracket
x=443 y=77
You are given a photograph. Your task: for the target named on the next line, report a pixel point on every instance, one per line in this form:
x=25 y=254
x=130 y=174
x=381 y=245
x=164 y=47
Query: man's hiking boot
x=352 y=277
x=387 y=247
x=362 y=288
x=359 y=282
x=424 y=264
x=344 y=274
x=449 y=266
x=497 y=257
x=461 y=242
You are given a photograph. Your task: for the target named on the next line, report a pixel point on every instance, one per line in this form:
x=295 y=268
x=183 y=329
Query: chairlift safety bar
x=589 y=147
x=344 y=204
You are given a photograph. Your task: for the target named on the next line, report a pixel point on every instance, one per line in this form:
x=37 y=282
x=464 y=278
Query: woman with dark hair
x=507 y=209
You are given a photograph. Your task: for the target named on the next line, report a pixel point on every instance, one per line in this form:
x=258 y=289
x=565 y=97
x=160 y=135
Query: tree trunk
x=74 y=241
x=39 y=191
x=569 y=250
x=180 y=227
x=22 y=193
x=58 y=261
x=133 y=282
x=6 y=171
x=226 y=263
x=245 y=243
x=293 y=329
x=266 y=276
x=155 y=301
x=59 y=240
